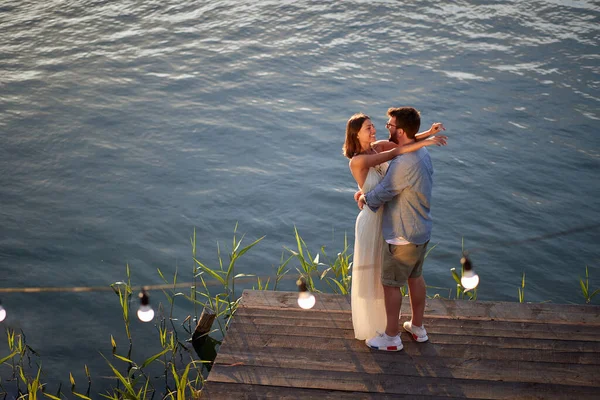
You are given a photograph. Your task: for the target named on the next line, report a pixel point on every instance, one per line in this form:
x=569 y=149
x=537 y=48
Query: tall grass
x=521 y=290
x=585 y=287
x=334 y=274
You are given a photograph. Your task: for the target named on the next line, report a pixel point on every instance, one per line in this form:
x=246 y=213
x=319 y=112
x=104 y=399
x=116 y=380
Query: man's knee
x=391 y=289
x=416 y=281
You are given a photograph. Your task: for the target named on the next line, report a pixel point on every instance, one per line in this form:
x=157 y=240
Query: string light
x=469 y=279
x=306 y=299
x=145 y=313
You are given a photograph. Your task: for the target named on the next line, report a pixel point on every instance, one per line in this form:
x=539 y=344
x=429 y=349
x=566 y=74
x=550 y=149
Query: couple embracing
x=394 y=225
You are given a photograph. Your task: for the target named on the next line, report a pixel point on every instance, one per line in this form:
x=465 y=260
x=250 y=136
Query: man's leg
x=418 y=295
x=393 y=303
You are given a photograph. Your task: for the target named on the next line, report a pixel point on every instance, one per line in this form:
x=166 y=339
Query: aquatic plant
x=585 y=287
x=335 y=274
x=522 y=289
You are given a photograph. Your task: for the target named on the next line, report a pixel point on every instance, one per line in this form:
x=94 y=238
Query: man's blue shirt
x=406 y=192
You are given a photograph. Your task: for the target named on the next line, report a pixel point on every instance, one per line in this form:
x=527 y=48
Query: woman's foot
x=385 y=343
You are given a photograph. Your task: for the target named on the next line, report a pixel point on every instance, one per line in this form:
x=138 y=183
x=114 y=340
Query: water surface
x=126 y=125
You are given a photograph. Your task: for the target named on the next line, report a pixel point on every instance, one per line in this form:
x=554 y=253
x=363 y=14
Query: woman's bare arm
x=435 y=128
x=366 y=161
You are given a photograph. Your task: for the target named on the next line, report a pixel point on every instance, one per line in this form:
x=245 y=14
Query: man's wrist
x=363 y=198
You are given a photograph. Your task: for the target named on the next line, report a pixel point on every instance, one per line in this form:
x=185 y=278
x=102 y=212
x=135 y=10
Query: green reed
x=335 y=274
x=585 y=287
x=521 y=290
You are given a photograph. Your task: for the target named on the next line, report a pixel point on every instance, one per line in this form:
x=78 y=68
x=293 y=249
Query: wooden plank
x=300 y=332
x=402 y=364
x=228 y=391
x=295 y=313
x=441 y=308
x=515 y=312
x=238 y=341
x=331 y=303
x=532 y=330
x=434 y=326
x=479 y=349
x=390 y=384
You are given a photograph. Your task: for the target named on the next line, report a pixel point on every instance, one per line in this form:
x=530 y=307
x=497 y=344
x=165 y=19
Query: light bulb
x=306 y=300
x=469 y=280
x=145 y=313
x=2 y=313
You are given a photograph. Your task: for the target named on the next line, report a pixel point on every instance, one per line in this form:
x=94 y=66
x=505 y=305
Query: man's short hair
x=407 y=118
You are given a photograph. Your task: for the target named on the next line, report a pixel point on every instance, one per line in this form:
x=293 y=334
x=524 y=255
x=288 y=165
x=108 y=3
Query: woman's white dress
x=368 y=308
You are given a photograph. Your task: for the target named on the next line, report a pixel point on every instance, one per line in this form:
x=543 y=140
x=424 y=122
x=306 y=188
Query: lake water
x=125 y=125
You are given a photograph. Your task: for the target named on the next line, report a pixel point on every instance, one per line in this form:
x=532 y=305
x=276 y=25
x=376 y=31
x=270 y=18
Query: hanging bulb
x=2 y=313
x=145 y=313
x=469 y=279
x=306 y=300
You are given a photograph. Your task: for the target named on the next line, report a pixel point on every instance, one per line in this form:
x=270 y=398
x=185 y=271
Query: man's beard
x=393 y=138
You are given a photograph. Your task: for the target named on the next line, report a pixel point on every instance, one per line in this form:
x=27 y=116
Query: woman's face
x=366 y=135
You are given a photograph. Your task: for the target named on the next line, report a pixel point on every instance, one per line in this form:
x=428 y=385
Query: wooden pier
x=476 y=350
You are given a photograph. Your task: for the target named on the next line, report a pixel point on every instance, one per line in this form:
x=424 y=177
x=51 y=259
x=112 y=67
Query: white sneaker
x=418 y=332
x=385 y=342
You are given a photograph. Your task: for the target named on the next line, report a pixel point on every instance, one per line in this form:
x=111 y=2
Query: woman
x=368 y=165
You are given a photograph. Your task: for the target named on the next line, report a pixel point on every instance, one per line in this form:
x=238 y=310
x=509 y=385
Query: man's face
x=391 y=127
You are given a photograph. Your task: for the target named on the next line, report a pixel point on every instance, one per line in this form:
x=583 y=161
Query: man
x=406 y=193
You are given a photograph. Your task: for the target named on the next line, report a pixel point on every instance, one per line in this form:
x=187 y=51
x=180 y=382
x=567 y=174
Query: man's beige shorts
x=402 y=262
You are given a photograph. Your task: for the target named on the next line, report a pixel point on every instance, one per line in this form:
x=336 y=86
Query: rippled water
x=124 y=125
